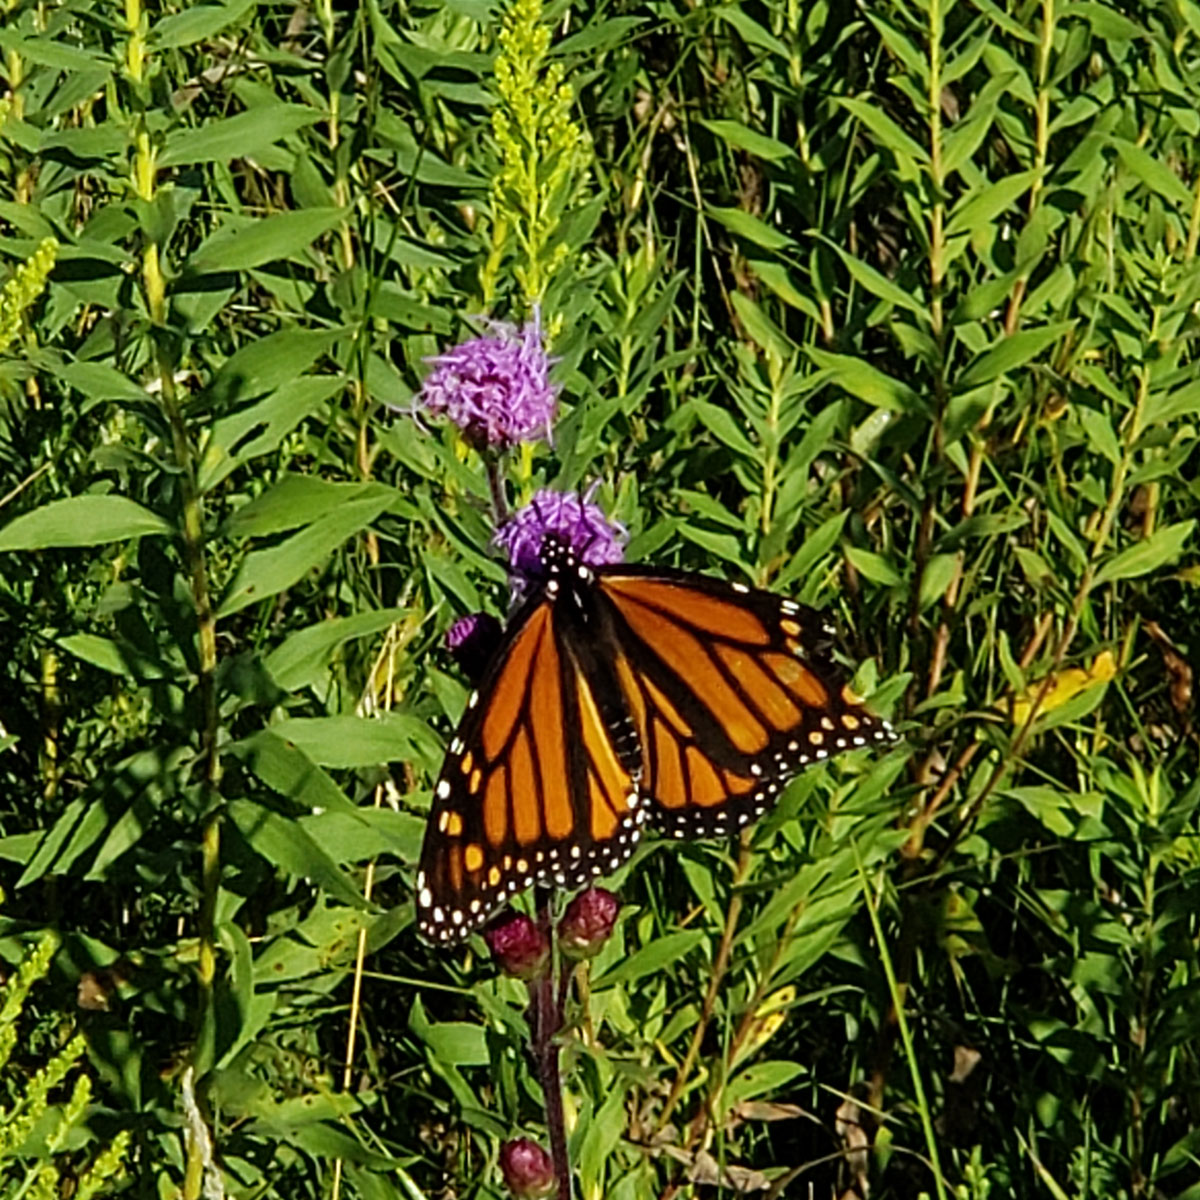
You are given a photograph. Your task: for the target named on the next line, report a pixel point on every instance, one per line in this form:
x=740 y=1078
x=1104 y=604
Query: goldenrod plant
x=34 y=1122
x=543 y=155
x=23 y=288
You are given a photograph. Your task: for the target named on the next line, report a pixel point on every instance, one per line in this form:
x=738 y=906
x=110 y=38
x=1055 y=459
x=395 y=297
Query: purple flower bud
x=472 y=641
x=588 y=922
x=528 y=1169
x=579 y=522
x=518 y=945
x=497 y=388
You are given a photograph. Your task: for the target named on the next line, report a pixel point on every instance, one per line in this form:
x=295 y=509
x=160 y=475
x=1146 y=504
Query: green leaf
x=81 y=521
x=284 y=844
x=816 y=545
x=1012 y=352
x=1160 y=548
x=238 y=246
x=304 y=655
x=1156 y=175
x=979 y=208
x=766 y=334
x=259 y=428
x=361 y=741
x=99 y=381
x=750 y=227
x=284 y=766
x=866 y=382
x=297 y=500
x=722 y=425
x=741 y=137
x=879 y=284
x=887 y=133
x=243 y=136
x=1164 y=407
x=269 y=362
x=935 y=579
x=874 y=566
x=1101 y=436
x=670 y=949
x=751 y=31
x=1106 y=23
x=603 y=35
x=49 y=52
x=196 y=24
x=265 y=573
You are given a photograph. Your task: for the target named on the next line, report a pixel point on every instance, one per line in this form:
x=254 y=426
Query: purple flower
x=575 y=519
x=472 y=641
x=518 y=945
x=588 y=922
x=527 y=1168
x=497 y=388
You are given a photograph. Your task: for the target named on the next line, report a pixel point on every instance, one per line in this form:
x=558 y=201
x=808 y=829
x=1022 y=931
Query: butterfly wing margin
x=533 y=788
x=733 y=690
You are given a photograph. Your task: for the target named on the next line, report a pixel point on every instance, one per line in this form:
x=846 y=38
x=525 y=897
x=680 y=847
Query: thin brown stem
x=720 y=965
x=547 y=1018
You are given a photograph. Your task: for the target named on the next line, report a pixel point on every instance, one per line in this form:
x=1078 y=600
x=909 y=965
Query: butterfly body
x=621 y=696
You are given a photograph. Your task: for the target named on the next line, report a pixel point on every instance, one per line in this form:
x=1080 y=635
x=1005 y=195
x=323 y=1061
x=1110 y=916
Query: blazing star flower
x=472 y=641
x=574 y=518
x=518 y=945
x=496 y=388
x=527 y=1169
x=588 y=922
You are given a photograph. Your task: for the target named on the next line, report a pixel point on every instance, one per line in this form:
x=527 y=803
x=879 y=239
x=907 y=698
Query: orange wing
x=536 y=786
x=732 y=690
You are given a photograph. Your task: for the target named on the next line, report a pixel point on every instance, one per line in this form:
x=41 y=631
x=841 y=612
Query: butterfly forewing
x=534 y=788
x=732 y=690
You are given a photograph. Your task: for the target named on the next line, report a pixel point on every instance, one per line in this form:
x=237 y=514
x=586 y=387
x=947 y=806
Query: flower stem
x=547 y=1021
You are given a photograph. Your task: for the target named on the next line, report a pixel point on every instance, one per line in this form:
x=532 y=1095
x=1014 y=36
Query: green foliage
x=891 y=307
x=34 y=1133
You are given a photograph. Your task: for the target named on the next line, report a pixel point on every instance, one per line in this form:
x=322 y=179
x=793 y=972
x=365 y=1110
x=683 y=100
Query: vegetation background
x=888 y=306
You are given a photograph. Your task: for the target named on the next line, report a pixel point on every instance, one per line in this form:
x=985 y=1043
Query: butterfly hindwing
x=732 y=691
x=534 y=787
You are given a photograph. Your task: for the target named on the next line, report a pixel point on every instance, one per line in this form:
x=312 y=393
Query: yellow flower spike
x=541 y=149
x=26 y=285
x=1066 y=686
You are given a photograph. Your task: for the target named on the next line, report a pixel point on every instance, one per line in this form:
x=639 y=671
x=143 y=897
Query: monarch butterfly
x=620 y=696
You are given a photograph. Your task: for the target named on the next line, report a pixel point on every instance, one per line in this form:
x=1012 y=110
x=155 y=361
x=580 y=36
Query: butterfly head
x=562 y=564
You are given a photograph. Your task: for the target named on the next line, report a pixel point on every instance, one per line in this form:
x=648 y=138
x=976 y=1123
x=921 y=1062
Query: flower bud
x=528 y=1169
x=472 y=641
x=588 y=922
x=518 y=945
